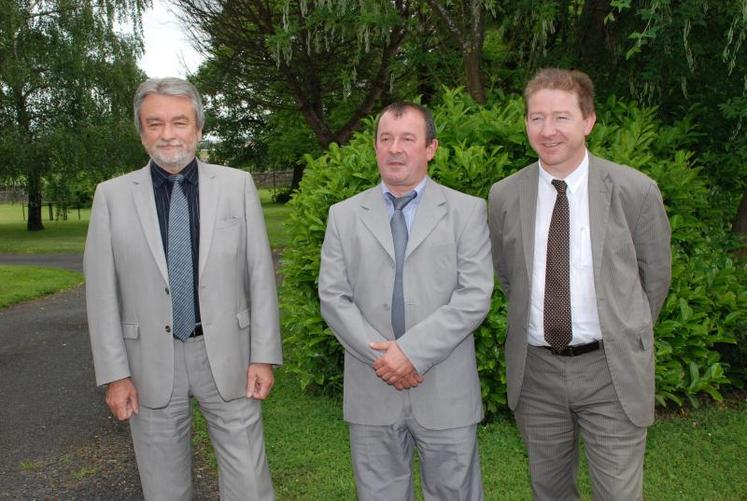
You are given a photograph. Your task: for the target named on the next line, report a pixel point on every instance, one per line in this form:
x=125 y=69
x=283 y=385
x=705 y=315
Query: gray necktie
x=181 y=280
x=557 y=319
x=399 y=235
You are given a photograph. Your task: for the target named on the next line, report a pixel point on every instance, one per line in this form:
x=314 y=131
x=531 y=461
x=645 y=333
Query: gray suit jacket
x=129 y=308
x=447 y=286
x=632 y=259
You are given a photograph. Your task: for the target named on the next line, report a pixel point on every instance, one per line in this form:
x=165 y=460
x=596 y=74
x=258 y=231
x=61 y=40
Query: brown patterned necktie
x=557 y=273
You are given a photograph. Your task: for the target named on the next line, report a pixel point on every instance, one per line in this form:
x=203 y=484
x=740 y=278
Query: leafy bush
x=480 y=145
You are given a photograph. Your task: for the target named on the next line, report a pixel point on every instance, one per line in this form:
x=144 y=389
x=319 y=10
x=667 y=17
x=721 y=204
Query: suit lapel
x=431 y=209
x=600 y=195
x=145 y=205
x=528 y=213
x=208 y=209
x=375 y=218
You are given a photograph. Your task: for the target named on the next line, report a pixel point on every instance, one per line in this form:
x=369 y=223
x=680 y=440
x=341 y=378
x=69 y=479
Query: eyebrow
x=173 y=119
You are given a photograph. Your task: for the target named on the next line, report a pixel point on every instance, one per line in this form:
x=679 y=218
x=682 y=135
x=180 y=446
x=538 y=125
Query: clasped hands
x=394 y=367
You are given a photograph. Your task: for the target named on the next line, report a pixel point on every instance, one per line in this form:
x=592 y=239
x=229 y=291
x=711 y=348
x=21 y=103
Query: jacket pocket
x=646 y=340
x=243 y=318
x=130 y=331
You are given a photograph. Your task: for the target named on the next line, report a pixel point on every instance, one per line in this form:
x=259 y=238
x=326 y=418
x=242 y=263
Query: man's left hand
x=393 y=366
x=259 y=381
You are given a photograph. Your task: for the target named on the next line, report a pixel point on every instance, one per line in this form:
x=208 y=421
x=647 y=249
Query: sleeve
x=653 y=249
x=495 y=223
x=266 y=346
x=102 y=296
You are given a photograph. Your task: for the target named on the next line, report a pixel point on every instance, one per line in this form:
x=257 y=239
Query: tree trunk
x=475 y=87
x=740 y=224
x=34 y=188
x=297 y=175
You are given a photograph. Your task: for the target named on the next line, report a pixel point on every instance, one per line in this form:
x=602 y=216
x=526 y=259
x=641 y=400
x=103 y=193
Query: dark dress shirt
x=162 y=187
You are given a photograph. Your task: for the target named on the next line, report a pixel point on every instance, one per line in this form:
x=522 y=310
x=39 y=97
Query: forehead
x=553 y=100
x=409 y=122
x=163 y=106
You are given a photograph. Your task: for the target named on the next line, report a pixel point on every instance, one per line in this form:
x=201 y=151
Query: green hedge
x=707 y=306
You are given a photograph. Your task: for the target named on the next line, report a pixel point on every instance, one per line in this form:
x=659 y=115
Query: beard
x=175 y=158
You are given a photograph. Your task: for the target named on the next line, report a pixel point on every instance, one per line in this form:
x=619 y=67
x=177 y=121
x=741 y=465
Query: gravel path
x=57 y=438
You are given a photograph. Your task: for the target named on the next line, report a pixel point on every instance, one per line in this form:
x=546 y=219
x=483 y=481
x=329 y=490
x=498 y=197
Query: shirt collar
x=160 y=176
x=418 y=189
x=574 y=180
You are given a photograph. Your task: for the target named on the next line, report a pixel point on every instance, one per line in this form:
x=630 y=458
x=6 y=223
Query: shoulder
x=360 y=199
x=509 y=183
x=624 y=177
x=455 y=197
x=223 y=172
x=133 y=177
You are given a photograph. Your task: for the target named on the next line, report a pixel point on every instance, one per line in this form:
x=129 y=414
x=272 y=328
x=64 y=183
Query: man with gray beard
x=181 y=303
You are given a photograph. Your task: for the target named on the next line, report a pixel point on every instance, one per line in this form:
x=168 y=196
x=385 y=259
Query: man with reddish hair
x=581 y=249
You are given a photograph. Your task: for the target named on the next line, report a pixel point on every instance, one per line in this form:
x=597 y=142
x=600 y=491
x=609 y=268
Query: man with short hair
x=181 y=300
x=405 y=278
x=581 y=249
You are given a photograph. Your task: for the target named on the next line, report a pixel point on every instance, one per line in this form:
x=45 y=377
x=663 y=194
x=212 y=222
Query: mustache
x=395 y=158
x=169 y=143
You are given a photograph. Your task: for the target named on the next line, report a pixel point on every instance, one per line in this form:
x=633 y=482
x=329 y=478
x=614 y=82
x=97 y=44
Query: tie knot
x=560 y=185
x=401 y=202
x=179 y=178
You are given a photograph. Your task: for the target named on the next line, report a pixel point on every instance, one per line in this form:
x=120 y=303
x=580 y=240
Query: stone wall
x=269 y=180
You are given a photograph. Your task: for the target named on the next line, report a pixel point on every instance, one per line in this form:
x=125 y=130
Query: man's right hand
x=121 y=397
x=408 y=382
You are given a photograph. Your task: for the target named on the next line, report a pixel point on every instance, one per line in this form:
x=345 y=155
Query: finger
x=251 y=384
x=135 y=402
x=380 y=345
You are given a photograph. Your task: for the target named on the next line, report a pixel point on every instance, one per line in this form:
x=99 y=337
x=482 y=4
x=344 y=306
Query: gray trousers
x=562 y=399
x=162 y=437
x=382 y=461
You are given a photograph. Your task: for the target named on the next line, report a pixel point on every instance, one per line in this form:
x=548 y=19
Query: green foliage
x=66 y=83
x=707 y=306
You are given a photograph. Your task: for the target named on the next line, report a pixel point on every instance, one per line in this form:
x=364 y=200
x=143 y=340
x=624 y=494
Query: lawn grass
x=21 y=283
x=700 y=454
x=57 y=237
x=275 y=216
x=70 y=236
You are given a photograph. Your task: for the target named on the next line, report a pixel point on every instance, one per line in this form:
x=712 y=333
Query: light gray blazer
x=630 y=239
x=447 y=286
x=129 y=308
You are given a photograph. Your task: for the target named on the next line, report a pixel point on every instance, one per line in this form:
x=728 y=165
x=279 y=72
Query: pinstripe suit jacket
x=631 y=258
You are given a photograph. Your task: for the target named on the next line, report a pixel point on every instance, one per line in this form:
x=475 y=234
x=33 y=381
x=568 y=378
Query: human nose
x=167 y=131
x=548 y=128
x=395 y=146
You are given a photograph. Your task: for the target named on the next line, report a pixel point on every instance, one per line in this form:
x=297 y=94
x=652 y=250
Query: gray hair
x=168 y=87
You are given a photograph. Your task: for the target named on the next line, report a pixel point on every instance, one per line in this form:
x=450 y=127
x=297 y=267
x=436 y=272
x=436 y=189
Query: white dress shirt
x=584 y=314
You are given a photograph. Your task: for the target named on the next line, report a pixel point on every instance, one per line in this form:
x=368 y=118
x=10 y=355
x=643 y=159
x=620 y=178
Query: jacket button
x=167 y=328
x=166 y=290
